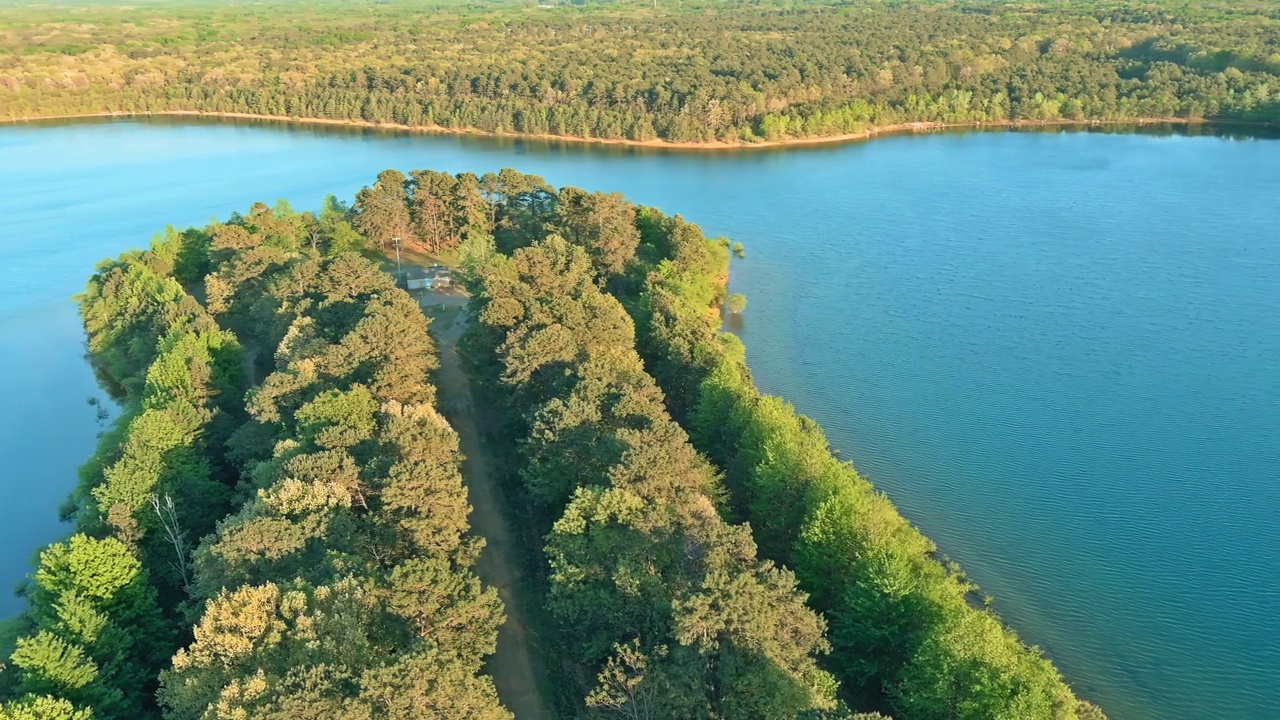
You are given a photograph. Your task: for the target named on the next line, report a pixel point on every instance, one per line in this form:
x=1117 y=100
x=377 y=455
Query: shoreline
x=716 y=145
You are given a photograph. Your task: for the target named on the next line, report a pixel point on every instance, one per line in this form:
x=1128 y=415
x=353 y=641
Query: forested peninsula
x=276 y=525
x=686 y=73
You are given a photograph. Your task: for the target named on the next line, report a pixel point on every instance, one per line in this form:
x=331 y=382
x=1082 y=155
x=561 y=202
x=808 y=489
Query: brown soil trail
x=515 y=669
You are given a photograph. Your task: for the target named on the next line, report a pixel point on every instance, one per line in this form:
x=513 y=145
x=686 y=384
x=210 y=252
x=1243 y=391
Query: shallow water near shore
x=1057 y=352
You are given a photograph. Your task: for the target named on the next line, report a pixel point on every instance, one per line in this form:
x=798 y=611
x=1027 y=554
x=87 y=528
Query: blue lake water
x=1058 y=353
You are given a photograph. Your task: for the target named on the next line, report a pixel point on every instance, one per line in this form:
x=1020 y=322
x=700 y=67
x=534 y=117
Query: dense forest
x=276 y=525
x=597 y=328
x=697 y=71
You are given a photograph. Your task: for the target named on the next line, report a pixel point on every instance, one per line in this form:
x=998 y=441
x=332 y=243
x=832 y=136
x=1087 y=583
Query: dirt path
x=515 y=670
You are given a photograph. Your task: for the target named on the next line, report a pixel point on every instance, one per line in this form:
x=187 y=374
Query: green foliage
x=475 y=253
x=197 y=370
x=167 y=445
x=735 y=303
x=904 y=637
x=382 y=211
x=680 y=72
x=333 y=578
x=100 y=634
x=98 y=569
x=605 y=225
x=51 y=664
x=444 y=208
x=343 y=239
x=666 y=601
x=127 y=308
x=342 y=586
x=262 y=650
x=337 y=419
x=99 y=629
x=42 y=707
x=333 y=229
x=11 y=629
x=183 y=256
x=763 y=71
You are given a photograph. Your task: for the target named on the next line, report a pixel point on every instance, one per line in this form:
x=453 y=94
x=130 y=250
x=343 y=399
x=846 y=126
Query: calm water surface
x=1059 y=353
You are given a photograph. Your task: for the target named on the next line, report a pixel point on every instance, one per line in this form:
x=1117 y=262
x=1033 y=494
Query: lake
x=1057 y=352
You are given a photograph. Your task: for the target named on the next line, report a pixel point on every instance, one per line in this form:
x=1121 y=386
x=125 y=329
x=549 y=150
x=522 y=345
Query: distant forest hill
x=691 y=72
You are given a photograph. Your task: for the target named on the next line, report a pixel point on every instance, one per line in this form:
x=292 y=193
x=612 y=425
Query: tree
x=168 y=515
x=471 y=211
x=100 y=636
x=51 y=664
x=520 y=205
x=382 y=211
x=605 y=225
x=258 y=647
x=432 y=209
x=827 y=70
x=476 y=254
x=42 y=707
x=637 y=684
x=340 y=584
x=639 y=550
x=430 y=684
x=736 y=303
x=280 y=652
x=335 y=230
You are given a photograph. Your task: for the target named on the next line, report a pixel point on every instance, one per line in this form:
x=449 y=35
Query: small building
x=440 y=276
x=416 y=279
x=436 y=277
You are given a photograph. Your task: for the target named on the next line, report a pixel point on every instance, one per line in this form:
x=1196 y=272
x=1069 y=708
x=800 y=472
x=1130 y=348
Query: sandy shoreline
x=899 y=128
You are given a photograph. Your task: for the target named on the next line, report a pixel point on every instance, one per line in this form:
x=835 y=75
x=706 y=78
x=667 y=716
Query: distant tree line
x=696 y=72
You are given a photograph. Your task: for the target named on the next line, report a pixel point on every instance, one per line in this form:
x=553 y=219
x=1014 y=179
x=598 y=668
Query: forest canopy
x=694 y=71
x=276 y=526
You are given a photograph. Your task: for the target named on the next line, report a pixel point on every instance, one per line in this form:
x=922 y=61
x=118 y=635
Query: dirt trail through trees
x=515 y=670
